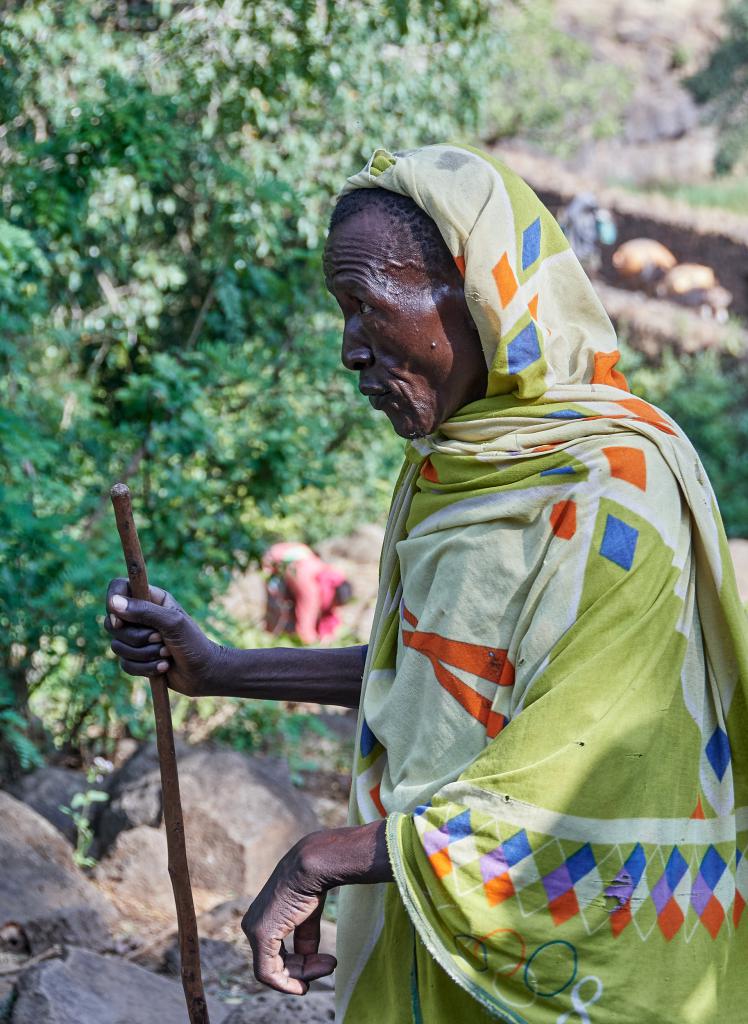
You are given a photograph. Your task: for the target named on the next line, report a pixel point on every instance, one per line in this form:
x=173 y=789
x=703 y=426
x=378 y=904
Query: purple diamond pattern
x=711 y=870
x=511 y=852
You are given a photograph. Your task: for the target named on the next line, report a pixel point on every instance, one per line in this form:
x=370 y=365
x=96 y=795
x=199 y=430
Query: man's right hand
x=158 y=636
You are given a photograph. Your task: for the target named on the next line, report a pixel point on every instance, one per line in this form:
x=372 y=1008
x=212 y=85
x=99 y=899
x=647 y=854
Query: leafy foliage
x=705 y=394
x=167 y=172
x=724 y=84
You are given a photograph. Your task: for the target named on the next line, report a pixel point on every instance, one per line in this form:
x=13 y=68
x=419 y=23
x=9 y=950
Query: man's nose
x=356 y=354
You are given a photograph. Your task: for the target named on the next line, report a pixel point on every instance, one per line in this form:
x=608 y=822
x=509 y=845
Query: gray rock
x=135 y=872
x=134 y=796
x=275 y=1008
x=241 y=814
x=42 y=892
x=48 y=788
x=219 y=960
x=85 y=988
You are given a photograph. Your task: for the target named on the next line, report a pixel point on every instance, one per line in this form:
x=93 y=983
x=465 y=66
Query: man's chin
x=409 y=427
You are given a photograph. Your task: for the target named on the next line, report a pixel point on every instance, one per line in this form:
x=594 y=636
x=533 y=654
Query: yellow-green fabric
x=553 y=718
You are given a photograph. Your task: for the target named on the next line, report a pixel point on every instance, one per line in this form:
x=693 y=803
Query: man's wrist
x=220 y=671
x=343 y=856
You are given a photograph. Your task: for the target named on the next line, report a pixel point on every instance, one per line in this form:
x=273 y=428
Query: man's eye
x=364 y=307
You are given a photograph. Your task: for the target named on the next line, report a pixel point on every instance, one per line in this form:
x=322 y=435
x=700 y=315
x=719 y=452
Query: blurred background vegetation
x=166 y=174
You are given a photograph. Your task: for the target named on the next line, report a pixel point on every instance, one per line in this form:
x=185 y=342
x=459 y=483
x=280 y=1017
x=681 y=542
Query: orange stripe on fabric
x=494 y=724
x=428 y=472
x=474 y=703
x=651 y=419
x=460 y=261
x=505 y=280
x=628 y=464
x=485 y=662
x=564 y=519
x=441 y=863
x=532 y=305
x=409 y=617
x=644 y=411
x=374 y=794
x=563 y=907
x=498 y=889
x=605 y=372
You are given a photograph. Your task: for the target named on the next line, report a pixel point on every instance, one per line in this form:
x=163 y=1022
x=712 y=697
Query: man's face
x=408 y=333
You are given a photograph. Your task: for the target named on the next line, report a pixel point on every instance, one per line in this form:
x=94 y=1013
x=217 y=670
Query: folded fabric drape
x=553 y=719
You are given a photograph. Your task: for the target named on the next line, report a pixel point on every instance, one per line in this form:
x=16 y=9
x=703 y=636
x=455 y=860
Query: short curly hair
x=404 y=213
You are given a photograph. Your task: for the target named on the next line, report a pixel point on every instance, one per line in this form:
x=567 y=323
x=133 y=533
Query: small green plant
x=80 y=811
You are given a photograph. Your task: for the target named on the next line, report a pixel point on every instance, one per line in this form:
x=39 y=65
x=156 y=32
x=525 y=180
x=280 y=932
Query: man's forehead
x=372 y=238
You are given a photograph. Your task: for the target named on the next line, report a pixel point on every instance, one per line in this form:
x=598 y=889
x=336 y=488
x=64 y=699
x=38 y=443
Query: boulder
x=220 y=961
x=135 y=875
x=270 y=1007
x=46 y=790
x=86 y=988
x=241 y=815
x=134 y=796
x=42 y=893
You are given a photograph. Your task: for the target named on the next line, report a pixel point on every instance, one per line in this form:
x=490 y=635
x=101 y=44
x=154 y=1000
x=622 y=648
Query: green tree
x=723 y=83
x=167 y=173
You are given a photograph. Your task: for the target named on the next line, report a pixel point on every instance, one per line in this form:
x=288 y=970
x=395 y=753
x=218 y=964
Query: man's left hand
x=293 y=898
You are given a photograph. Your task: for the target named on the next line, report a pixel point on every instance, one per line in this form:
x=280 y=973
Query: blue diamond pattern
x=516 y=848
x=564 y=414
x=524 y=349
x=581 y=863
x=458 y=828
x=635 y=864
x=712 y=868
x=531 y=244
x=559 y=471
x=675 y=868
x=718 y=752
x=368 y=739
x=619 y=542
x=421 y=809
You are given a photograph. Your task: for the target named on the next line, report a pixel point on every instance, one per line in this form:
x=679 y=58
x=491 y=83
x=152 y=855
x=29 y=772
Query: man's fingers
x=144 y=613
x=309 y=968
x=306 y=934
x=151 y=652
x=144 y=668
x=268 y=964
x=134 y=636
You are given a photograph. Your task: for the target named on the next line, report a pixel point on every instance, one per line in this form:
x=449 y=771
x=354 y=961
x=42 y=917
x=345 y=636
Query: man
x=552 y=731
x=303 y=592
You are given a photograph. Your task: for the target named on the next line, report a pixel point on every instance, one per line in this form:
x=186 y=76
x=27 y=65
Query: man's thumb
x=145 y=613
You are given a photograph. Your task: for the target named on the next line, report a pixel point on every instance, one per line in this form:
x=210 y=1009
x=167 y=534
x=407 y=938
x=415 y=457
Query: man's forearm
x=321 y=676
x=347 y=856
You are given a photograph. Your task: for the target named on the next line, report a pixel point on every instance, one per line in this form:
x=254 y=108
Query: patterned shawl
x=554 y=715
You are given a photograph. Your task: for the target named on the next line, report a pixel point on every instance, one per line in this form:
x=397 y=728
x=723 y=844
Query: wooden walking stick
x=179 y=872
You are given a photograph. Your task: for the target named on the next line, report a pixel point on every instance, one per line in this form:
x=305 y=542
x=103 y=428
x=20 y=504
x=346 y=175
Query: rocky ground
x=99 y=946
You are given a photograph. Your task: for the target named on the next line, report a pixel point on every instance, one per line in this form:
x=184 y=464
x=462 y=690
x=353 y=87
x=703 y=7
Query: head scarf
x=540 y=322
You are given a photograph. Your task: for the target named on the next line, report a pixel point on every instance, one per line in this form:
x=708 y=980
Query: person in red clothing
x=303 y=592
